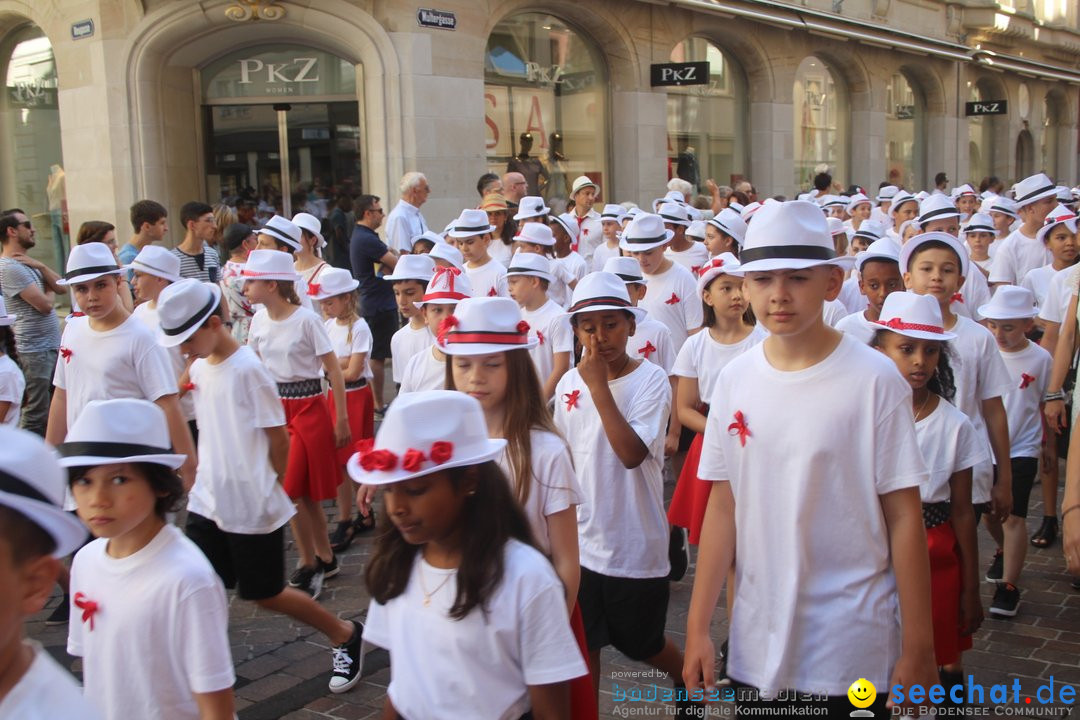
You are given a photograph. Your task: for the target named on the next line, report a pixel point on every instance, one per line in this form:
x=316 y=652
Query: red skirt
x=945 y=584
x=687 y=509
x=360 y=405
x=582 y=694
x=312 y=470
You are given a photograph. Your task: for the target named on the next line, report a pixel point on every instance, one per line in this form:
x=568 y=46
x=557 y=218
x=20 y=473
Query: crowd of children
x=846 y=388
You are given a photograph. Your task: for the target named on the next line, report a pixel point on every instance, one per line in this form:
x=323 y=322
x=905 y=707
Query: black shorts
x=383 y=326
x=254 y=564
x=626 y=613
x=1024 y=470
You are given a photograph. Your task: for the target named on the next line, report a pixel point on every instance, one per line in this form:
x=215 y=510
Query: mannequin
x=555 y=164
x=56 y=191
x=531 y=167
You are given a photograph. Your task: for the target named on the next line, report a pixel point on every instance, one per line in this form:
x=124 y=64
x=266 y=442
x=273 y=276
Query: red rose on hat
x=441 y=451
x=412 y=460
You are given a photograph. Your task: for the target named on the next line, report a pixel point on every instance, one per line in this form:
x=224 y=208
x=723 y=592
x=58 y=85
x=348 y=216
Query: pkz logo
x=297 y=70
x=677 y=74
x=986 y=107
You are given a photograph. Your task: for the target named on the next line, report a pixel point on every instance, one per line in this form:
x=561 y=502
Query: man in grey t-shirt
x=29 y=288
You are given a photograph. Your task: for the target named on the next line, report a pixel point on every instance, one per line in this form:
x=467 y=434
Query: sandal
x=364 y=524
x=343 y=536
x=1045 y=536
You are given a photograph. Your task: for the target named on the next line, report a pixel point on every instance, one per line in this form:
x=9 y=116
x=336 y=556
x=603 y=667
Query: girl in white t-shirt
x=351 y=337
x=459 y=591
x=293 y=344
x=912 y=335
x=12 y=382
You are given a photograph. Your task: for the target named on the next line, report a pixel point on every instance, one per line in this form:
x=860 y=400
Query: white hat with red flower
x=448 y=286
x=485 y=325
x=422 y=433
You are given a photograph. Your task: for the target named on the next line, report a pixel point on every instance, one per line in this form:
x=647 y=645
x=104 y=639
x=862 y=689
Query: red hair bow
x=448 y=323
x=65 y=353
x=314 y=288
x=958 y=297
x=672 y=300
x=648 y=350
x=1025 y=380
x=450 y=271
x=739 y=428
x=88 y=607
x=571 y=399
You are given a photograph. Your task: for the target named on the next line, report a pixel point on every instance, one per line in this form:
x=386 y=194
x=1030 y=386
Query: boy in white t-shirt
x=34 y=533
x=471 y=232
x=237 y=510
x=682 y=249
x=1009 y=317
x=672 y=297
x=1058 y=234
x=979 y=233
x=427 y=369
x=878 y=276
x=529 y=276
x=565 y=232
x=1022 y=251
x=611 y=226
x=411 y=275
x=854 y=600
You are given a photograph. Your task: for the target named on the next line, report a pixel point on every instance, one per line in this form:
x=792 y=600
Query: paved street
x=283 y=668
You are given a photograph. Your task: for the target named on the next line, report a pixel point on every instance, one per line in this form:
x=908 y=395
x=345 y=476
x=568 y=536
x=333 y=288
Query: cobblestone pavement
x=283 y=668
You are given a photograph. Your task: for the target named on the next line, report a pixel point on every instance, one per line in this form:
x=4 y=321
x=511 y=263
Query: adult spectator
x=489 y=184
x=747 y=188
x=341 y=221
x=941 y=181
x=590 y=233
x=377 y=304
x=405 y=221
x=29 y=288
x=224 y=216
x=197 y=260
x=515 y=187
x=149 y=222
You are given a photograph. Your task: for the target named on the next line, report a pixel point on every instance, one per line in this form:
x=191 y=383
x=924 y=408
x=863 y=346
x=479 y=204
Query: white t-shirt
x=488 y=280
x=290 y=348
x=125 y=362
x=235 y=485
x=46 y=691
x=424 y=372
x=1059 y=295
x=1038 y=282
x=816 y=599
x=550 y=326
x=485 y=662
x=563 y=275
x=554 y=485
x=12 y=387
x=500 y=252
x=652 y=341
x=359 y=343
x=979 y=374
x=833 y=311
x=148 y=316
x=622 y=528
x=591 y=235
x=949 y=444
x=602 y=254
x=692 y=258
x=1029 y=371
x=308 y=276
x=858 y=327
x=703 y=358
x=405 y=343
x=574 y=263
x=160 y=632
x=673 y=299
x=1017 y=255
x=851 y=296
x=974 y=293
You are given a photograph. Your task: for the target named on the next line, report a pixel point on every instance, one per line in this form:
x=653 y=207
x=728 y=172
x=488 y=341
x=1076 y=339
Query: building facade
x=110 y=101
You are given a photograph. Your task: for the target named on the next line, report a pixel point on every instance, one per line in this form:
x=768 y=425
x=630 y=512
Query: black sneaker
x=996 y=571
x=343 y=536
x=1006 y=600
x=678 y=554
x=348 y=661
x=329 y=569
x=61 y=612
x=310 y=580
x=722 y=679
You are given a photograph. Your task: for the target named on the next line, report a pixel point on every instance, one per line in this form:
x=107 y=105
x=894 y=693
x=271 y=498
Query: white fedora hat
x=696 y=230
x=157 y=261
x=918 y=241
x=886 y=193
x=32 y=483
x=536 y=234
x=532 y=264
x=962 y=190
x=748 y=212
x=599 y=291
x=333 y=282
x=870 y=230
x=914 y=316
x=6 y=318
x=182 y=309
x=881 y=249
x=979 y=222
x=1060 y=215
x=125 y=430
x=414 y=267
x=827 y=202
x=270 y=265
x=1004 y=205
x=627 y=268
x=307 y=221
x=89 y=261
x=613 y=213
x=445 y=251
x=469 y=223
x=645 y=232
x=569 y=224
x=485 y=325
x=674 y=213
x=855 y=200
x=580 y=183
x=730 y=222
x=448 y=286
x=424 y=432
x=282 y=230
x=432 y=237
x=531 y=206
x=789 y=236
x=1010 y=302
x=936 y=207
x=1033 y=188
x=899 y=199
x=1064 y=194
x=722 y=264
x=836 y=226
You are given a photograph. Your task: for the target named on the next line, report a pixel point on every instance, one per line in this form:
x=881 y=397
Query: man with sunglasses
x=29 y=288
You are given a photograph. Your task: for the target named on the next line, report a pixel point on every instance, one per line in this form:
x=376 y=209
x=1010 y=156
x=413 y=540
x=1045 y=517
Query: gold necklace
x=423 y=585
x=923 y=406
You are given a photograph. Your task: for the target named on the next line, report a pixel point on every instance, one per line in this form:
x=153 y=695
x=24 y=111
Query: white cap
x=1010 y=302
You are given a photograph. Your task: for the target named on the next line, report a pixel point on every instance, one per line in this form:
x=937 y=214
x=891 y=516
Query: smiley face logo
x=862 y=693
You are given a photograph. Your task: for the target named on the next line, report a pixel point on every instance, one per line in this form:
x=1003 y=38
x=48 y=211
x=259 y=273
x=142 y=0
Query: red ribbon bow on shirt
x=188 y=386
x=540 y=337
x=696 y=270
x=647 y=350
x=314 y=288
x=450 y=272
x=1025 y=380
x=739 y=428
x=958 y=297
x=672 y=300
x=88 y=607
x=571 y=399
x=65 y=353
x=492 y=293
x=448 y=323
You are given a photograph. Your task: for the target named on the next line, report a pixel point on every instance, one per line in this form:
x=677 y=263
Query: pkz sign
x=986 y=107
x=677 y=74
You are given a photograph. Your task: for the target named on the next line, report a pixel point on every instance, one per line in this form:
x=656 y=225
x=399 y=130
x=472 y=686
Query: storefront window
x=707 y=123
x=980 y=139
x=821 y=121
x=904 y=117
x=31 y=164
x=545 y=105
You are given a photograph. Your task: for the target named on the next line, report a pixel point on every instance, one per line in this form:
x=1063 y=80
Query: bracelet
x=1056 y=395
x=1068 y=510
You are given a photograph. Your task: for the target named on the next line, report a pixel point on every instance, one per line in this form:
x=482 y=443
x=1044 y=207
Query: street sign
x=986 y=107
x=82 y=29
x=677 y=74
x=436 y=19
